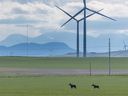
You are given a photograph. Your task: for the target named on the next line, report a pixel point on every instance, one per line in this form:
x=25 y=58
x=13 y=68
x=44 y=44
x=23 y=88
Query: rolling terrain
x=34 y=49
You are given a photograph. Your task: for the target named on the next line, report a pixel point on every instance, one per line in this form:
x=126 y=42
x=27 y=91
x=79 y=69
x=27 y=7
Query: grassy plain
x=63 y=63
x=58 y=86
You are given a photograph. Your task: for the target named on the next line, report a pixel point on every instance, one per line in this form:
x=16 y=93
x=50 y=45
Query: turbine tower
x=77 y=21
x=85 y=23
x=84 y=32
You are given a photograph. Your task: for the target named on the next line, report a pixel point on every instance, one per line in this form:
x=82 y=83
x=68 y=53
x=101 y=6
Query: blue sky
x=43 y=16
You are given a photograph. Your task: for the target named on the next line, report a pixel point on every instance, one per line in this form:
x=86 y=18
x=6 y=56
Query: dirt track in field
x=39 y=72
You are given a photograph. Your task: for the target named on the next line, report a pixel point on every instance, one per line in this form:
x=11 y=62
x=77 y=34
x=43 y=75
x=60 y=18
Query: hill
x=35 y=49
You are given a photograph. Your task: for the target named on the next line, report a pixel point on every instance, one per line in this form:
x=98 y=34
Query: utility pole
x=90 y=65
x=109 y=56
x=27 y=40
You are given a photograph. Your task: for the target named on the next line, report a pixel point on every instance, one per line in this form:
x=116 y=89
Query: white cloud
x=33 y=9
x=96 y=33
x=93 y=33
x=49 y=17
x=124 y=32
x=113 y=8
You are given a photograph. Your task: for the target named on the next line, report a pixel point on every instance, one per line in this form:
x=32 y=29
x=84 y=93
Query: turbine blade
x=93 y=13
x=100 y=14
x=73 y=16
x=66 y=13
x=90 y=15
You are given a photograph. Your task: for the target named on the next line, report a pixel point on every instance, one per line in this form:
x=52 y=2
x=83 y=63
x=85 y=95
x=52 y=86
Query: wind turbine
x=85 y=23
x=77 y=21
x=125 y=46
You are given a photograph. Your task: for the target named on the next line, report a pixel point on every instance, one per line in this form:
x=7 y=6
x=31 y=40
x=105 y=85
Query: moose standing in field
x=72 y=86
x=95 y=86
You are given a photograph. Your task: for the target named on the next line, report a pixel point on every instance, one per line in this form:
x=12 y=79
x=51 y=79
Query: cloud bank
x=43 y=15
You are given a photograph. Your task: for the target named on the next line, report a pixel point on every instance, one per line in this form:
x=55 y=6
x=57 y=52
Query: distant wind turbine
x=77 y=21
x=125 y=46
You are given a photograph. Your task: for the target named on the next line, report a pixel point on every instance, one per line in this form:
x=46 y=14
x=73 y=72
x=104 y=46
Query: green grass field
x=58 y=86
x=70 y=63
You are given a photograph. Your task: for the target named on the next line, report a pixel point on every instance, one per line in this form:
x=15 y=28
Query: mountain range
x=51 y=49
x=34 y=49
x=94 y=44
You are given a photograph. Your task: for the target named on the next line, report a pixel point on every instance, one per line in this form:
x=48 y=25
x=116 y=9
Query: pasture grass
x=58 y=86
x=63 y=63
